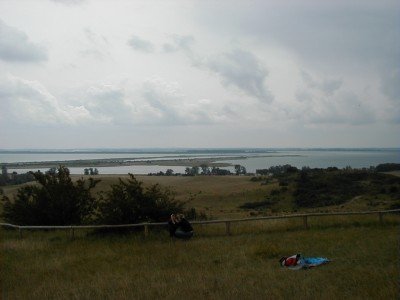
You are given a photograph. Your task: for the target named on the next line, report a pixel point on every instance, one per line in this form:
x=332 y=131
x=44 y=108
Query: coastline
x=115 y=162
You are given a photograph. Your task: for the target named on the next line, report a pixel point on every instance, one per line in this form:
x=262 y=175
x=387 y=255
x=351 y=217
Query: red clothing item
x=291 y=261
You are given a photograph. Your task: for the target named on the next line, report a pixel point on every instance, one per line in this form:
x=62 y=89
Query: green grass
x=49 y=265
x=221 y=196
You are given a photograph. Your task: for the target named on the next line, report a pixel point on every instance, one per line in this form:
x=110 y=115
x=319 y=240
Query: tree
x=169 y=172
x=205 y=170
x=192 y=171
x=4 y=170
x=195 y=170
x=187 y=171
x=129 y=202
x=54 y=200
x=240 y=170
x=52 y=171
x=4 y=175
x=218 y=171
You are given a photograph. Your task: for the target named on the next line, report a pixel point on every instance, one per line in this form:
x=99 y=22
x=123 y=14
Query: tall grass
x=49 y=265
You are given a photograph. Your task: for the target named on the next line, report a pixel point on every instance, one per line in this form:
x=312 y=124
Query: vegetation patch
x=257 y=205
x=319 y=187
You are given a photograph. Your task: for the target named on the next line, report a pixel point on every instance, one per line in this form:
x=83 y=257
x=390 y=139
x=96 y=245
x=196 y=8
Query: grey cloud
x=183 y=41
x=95 y=38
x=15 y=46
x=330 y=86
x=166 y=102
x=69 y=2
x=243 y=70
x=339 y=32
x=159 y=102
x=343 y=108
x=29 y=102
x=327 y=86
x=168 y=106
x=97 y=45
x=169 y=48
x=238 y=68
x=140 y=44
x=179 y=42
x=303 y=96
x=93 y=53
x=390 y=84
x=349 y=110
x=106 y=103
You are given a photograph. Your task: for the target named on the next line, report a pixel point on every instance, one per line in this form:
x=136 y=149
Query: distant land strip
x=117 y=162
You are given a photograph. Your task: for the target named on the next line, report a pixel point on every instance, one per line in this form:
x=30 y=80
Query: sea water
x=251 y=159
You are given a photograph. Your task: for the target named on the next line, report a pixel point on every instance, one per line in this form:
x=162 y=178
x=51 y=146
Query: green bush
x=259 y=205
x=317 y=187
x=55 y=200
x=387 y=167
x=129 y=202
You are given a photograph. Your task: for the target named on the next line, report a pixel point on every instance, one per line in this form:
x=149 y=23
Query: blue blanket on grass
x=304 y=262
x=310 y=262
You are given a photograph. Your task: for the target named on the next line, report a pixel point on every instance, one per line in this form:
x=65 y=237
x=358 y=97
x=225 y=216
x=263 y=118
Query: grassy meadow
x=365 y=255
x=221 y=196
x=49 y=265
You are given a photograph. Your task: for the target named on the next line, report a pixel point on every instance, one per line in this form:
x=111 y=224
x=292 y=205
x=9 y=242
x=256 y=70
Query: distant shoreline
x=118 y=162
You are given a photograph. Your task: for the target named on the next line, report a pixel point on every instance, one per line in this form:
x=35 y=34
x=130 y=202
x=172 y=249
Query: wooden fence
x=228 y=222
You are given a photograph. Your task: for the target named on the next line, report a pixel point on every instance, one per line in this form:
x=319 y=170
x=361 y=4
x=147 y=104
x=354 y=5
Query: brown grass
x=47 y=265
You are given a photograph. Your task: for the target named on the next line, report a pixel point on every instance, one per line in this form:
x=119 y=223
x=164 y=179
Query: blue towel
x=309 y=262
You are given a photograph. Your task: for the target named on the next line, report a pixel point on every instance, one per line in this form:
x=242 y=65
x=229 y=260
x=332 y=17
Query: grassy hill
x=210 y=266
x=364 y=254
x=225 y=196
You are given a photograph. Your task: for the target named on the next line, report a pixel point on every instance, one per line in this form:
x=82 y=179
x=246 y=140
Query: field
x=221 y=196
x=210 y=266
x=364 y=254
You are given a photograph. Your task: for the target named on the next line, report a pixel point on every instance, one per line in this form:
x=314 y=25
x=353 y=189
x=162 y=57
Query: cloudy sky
x=92 y=73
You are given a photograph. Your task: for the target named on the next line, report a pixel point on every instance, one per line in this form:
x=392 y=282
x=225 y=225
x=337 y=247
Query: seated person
x=179 y=227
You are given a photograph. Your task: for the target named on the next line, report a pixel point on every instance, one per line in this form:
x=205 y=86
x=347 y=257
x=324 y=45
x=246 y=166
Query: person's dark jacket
x=183 y=225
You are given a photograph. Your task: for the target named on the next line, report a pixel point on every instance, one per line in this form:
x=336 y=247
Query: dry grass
x=220 y=196
x=48 y=265
x=214 y=195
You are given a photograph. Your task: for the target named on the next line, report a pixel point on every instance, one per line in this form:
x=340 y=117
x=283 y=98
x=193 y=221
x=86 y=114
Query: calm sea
x=321 y=158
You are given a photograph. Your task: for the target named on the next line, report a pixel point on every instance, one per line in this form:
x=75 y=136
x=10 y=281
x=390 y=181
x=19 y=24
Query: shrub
x=275 y=192
x=128 y=202
x=55 y=200
x=318 y=188
x=192 y=214
x=258 y=204
x=387 y=167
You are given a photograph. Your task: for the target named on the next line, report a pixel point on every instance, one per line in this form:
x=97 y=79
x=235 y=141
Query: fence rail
x=227 y=222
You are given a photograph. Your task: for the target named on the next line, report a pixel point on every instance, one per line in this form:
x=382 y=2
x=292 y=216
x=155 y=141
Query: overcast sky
x=132 y=74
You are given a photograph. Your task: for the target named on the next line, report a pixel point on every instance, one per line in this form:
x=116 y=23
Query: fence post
x=146 y=230
x=380 y=218
x=305 y=223
x=228 y=228
x=20 y=232
x=72 y=232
